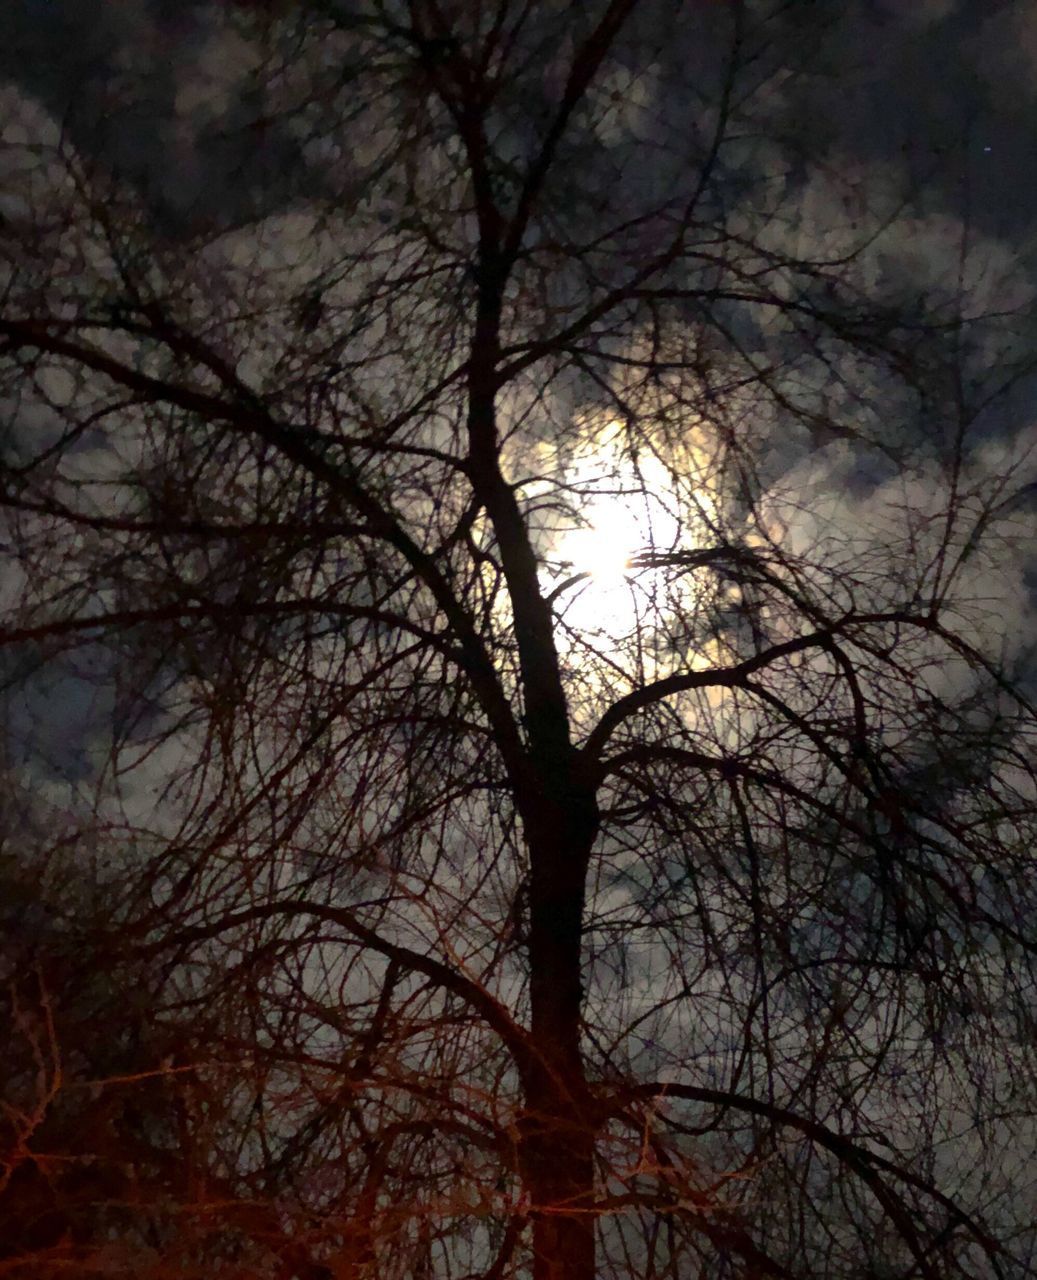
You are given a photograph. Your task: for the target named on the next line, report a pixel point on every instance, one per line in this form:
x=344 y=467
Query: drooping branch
x=873 y=1169
x=250 y=418
x=737 y=675
x=450 y=977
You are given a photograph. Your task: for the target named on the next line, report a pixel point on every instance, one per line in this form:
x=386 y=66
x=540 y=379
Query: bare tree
x=559 y=775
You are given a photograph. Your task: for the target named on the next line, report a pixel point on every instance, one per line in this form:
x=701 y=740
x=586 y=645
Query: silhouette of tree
x=562 y=791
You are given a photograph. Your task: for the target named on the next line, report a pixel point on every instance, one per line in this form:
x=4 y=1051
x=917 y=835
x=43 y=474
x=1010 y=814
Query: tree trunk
x=559 y=1128
x=559 y=1176
x=560 y=817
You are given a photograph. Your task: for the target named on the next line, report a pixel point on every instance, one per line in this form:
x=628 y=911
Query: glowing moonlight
x=622 y=511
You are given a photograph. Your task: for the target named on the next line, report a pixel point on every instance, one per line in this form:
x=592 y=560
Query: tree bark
x=560 y=816
x=559 y=1127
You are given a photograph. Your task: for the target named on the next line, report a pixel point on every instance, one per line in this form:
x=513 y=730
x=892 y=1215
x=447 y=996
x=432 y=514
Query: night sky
x=935 y=98
x=946 y=89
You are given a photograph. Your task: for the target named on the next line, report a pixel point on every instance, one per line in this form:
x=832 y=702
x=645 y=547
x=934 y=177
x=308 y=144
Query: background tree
x=534 y=561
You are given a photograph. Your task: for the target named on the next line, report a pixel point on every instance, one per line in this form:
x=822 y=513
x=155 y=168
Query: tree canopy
x=534 y=568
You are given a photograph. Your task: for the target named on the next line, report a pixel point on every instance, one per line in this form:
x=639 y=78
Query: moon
x=623 y=511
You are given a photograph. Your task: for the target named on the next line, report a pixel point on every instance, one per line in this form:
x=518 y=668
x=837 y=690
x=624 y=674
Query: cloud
x=209 y=83
x=30 y=169
x=1005 y=52
x=868 y=543
x=918 y=13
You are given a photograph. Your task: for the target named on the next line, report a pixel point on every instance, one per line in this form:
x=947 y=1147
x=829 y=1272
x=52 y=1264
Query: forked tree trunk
x=560 y=817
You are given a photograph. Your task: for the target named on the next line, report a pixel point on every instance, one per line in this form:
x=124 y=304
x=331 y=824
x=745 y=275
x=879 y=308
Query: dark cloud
x=942 y=91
